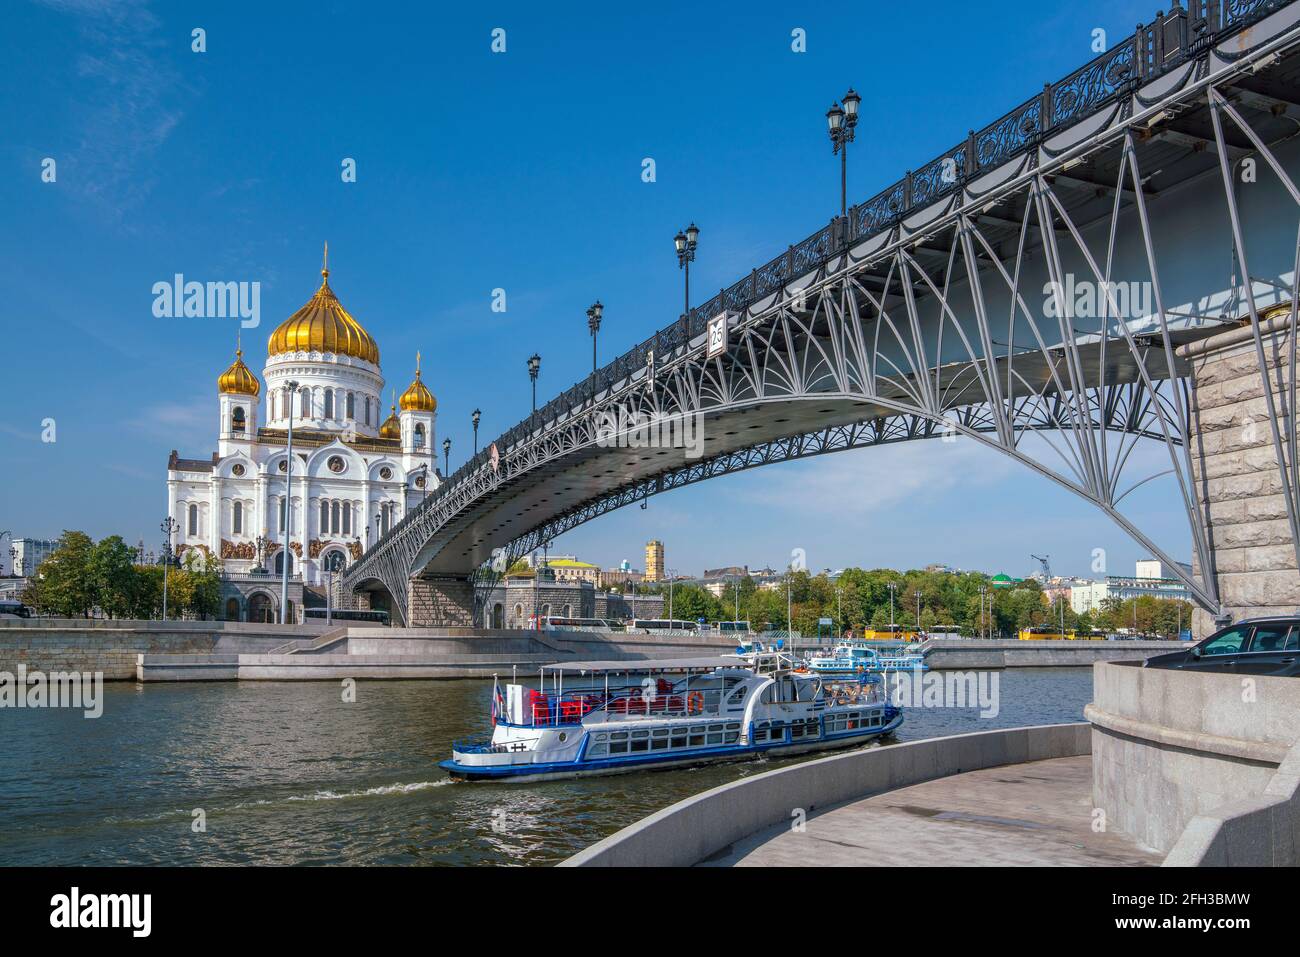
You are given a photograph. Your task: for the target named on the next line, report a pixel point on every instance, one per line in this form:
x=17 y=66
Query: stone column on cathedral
x=214 y=527
x=366 y=517
x=260 y=525
x=303 y=536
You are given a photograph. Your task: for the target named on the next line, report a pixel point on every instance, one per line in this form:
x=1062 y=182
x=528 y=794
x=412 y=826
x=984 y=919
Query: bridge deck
x=1036 y=814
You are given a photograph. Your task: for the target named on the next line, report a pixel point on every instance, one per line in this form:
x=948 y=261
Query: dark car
x=1257 y=646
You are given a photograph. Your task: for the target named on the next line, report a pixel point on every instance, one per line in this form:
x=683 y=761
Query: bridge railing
x=1153 y=49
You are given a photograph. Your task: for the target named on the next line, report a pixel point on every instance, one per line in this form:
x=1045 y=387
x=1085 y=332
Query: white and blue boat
x=665 y=714
x=859 y=658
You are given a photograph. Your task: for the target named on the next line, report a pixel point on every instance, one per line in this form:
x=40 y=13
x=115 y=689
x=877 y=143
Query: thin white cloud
x=864 y=481
x=127 y=101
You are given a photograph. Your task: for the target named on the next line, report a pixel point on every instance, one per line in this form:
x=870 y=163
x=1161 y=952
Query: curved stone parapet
x=699 y=827
x=1188 y=761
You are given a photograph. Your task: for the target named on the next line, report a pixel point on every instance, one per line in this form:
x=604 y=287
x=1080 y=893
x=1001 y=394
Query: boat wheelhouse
x=639 y=715
x=859 y=657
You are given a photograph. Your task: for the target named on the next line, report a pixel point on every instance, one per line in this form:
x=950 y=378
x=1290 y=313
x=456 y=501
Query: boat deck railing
x=544 y=709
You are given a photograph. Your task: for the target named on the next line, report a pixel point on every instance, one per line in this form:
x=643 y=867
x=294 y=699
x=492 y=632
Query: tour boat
x=858 y=657
x=668 y=713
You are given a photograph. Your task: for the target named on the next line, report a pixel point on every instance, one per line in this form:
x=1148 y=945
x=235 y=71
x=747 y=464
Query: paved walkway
x=1038 y=813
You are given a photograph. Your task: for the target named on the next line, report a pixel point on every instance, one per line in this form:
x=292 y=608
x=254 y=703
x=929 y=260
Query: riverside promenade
x=1025 y=815
x=1174 y=767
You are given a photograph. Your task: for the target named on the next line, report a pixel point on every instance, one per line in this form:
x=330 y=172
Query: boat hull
x=625 y=765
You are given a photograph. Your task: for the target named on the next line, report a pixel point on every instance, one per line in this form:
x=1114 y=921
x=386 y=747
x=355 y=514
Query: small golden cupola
x=392 y=427
x=238 y=380
x=323 y=325
x=417 y=397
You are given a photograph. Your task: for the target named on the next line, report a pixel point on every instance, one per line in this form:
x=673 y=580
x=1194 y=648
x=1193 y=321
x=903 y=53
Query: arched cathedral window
x=237 y=419
x=419 y=436
x=351 y=406
x=237 y=519
x=193 y=520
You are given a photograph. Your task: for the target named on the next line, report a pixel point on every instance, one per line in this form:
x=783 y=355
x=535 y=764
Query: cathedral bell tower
x=237 y=398
x=419 y=410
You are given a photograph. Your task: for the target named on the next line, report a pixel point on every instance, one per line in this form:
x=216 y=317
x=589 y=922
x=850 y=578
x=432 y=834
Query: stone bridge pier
x=1241 y=484
x=445 y=601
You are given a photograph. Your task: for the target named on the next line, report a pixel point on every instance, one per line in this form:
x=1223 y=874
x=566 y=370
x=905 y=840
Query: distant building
x=29 y=553
x=731 y=571
x=514 y=602
x=570 y=569
x=1148 y=579
x=620 y=577
x=654 y=561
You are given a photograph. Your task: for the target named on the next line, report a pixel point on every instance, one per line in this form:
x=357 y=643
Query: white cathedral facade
x=354 y=474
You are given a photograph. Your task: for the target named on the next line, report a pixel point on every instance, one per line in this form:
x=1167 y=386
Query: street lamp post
x=446 y=457
x=841 y=122
x=594 y=312
x=288 y=507
x=168 y=527
x=474 y=417
x=918 y=611
x=329 y=598
x=892 y=588
x=534 y=367
x=789 y=602
x=686 y=243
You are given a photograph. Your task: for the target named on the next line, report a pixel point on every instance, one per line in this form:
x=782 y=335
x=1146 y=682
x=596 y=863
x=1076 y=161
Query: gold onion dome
x=392 y=427
x=417 y=397
x=238 y=380
x=323 y=325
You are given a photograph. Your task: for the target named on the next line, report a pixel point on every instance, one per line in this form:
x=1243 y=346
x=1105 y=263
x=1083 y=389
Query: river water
x=288 y=773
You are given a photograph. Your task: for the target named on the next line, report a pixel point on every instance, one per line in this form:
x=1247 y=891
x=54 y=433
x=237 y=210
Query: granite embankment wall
x=1204 y=766
x=422 y=653
x=974 y=654
x=196 y=650
x=112 y=647
x=697 y=828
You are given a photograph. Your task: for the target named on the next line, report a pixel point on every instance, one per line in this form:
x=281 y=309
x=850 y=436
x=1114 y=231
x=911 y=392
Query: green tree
x=63 y=584
x=113 y=577
x=690 y=603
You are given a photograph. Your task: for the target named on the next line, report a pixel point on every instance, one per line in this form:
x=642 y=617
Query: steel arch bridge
x=1036 y=280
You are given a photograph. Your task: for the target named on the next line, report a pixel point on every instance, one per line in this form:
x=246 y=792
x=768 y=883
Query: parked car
x=1256 y=646
x=14 y=608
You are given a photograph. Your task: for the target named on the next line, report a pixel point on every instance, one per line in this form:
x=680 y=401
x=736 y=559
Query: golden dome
x=238 y=380
x=417 y=397
x=323 y=325
x=392 y=428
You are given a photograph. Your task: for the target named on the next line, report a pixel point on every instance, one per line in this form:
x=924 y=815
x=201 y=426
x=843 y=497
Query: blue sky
x=478 y=171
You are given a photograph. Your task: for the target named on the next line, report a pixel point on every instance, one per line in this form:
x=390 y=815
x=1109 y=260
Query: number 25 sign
x=717 y=332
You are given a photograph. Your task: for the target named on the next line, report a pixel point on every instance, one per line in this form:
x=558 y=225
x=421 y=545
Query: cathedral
x=354 y=474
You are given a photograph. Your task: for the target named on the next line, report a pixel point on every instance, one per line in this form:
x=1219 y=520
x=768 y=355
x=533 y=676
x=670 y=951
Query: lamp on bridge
x=842 y=121
x=446 y=456
x=686 y=243
x=534 y=367
x=474 y=417
x=593 y=323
